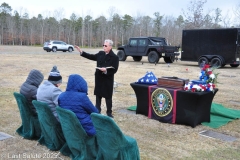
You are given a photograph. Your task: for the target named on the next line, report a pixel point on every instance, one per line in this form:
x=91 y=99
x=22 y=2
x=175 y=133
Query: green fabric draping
x=82 y=146
x=132 y=108
x=30 y=128
x=221 y=115
x=113 y=144
x=52 y=136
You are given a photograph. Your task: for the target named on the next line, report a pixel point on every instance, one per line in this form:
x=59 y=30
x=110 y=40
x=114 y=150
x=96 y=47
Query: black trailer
x=218 y=47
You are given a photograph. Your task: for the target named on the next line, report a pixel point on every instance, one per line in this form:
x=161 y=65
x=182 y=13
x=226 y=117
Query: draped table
x=179 y=106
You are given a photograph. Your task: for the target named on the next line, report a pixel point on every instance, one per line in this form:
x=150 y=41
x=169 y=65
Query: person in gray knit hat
x=48 y=91
x=30 y=86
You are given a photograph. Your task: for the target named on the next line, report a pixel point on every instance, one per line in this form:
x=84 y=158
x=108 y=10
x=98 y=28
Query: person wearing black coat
x=107 y=66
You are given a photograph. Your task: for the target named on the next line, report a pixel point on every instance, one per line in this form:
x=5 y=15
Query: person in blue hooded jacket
x=75 y=98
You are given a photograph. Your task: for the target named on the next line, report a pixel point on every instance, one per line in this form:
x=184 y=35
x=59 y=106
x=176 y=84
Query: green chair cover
x=82 y=146
x=30 y=128
x=113 y=144
x=52 y=136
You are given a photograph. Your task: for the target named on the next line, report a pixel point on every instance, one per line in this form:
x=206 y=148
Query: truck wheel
x=216 y=62
x=169 y=59
x=137 y=58
x=153 y=57
x=121 y=55
x=202 y=60
x=234 y=65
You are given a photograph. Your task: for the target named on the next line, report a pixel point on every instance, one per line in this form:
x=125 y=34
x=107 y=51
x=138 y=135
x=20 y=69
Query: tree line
x=17 y=28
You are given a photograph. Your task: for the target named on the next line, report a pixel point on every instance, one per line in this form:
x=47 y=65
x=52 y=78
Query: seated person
x=75 y=99
x=30 y=86
x=48 y=91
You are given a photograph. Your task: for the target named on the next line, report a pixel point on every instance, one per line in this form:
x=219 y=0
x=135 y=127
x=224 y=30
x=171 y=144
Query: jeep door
x=131 y=48
x=142 y=45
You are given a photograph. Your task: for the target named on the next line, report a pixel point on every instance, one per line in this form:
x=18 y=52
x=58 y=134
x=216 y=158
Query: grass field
x=155 y=140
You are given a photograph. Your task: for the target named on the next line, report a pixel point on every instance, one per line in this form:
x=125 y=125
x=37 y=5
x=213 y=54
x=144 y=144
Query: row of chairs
x=70 y=138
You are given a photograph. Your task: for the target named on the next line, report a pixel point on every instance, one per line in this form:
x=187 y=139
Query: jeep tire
x=121 y=55
x=137 y=58
x=153 y=57
x=169 y=59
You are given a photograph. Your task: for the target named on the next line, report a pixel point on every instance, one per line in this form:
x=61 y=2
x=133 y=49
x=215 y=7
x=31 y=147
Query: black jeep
x=153 y=47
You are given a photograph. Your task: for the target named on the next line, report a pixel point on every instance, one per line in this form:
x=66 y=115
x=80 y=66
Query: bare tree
x=226 y=21
x=22 y=12
x=111 y=11
x=103 y=29
x=157 y=23
x=5 y=11
x=58 y=15
x=194 y=15
x=116 y=27
x=217 y=18
x=127 y=25
x=21 y=29
x=146 y=25
x=73 y=21
x=237 y=13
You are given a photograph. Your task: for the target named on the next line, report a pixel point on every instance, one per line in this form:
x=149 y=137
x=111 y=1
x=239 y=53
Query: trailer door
x=238 y=46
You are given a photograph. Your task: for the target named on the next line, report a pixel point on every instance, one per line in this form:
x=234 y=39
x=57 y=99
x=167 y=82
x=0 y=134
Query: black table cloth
x=189 y=108
x=141 y=91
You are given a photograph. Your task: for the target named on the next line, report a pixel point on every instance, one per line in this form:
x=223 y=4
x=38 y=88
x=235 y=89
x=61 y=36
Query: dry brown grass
x=155 y=140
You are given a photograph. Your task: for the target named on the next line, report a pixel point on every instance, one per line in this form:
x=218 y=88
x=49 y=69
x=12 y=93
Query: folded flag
x=149 y=78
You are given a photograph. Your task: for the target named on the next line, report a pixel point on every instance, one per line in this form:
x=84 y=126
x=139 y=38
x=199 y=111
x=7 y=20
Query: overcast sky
x=97 y=8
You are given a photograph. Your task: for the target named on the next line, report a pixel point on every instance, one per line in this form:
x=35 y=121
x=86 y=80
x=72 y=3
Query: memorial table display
x=189 y=108
x=175 y=100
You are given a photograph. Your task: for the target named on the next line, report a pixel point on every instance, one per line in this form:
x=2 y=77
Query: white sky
x=97 y=8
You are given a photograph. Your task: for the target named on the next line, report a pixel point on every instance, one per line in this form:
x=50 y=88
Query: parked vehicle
x=218 y=47
x=153 y=47
x=55 y=46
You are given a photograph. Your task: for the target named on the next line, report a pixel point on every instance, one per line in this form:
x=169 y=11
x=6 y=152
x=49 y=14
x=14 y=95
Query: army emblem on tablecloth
x=162 y=102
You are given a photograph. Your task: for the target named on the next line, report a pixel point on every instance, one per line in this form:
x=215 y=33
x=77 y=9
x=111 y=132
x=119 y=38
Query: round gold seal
x=162 y=102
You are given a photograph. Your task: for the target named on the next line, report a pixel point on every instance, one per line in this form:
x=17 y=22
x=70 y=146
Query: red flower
x=209 y=72
x=193 y=89
x=205 y=67
x=213 y=85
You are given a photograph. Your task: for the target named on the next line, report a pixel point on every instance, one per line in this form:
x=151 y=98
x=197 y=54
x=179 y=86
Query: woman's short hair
x=109 y=41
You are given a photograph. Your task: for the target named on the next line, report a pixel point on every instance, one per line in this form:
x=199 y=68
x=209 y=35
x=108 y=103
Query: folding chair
x=52 y=136
x=82 y=146
x=30 y=128
x=113 y=144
